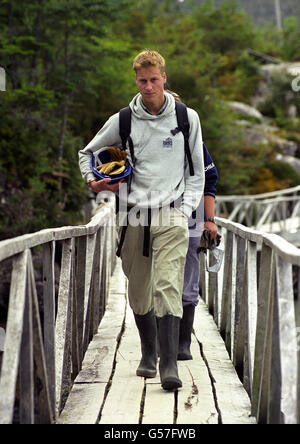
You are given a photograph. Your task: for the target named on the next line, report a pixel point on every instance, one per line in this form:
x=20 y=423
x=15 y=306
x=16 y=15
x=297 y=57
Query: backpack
x=125 y=130
x=183 y=126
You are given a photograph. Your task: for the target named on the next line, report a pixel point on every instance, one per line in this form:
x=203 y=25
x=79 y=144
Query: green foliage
x=69 y=67
x=59 y=57
x=224 y=29
x=290 y=49
x=267 y=40
x=284 y=173
x=278 y=100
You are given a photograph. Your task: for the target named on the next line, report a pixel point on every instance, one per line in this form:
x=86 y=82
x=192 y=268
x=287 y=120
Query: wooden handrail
x=252 y=302
x=44 y=351
x=270 y=194
x=260 y=211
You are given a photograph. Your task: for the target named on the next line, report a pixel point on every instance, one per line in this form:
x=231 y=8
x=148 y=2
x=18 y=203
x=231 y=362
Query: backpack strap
x=125 y=130
x=184 y=127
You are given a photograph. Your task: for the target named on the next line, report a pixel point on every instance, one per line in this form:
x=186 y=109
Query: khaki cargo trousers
x=156 y=282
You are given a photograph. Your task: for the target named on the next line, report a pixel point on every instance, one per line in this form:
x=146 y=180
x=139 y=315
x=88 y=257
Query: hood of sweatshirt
x=139 y=111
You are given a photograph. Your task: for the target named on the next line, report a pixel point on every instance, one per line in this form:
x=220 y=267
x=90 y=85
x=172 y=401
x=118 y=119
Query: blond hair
x=149 y=58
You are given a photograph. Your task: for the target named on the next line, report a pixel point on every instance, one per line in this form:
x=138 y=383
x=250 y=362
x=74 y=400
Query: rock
x=265 y=134
x=292 y=161
x=254 y=137
x=262 y=93
x=264 y=89
x=292 y=111
x=292 y=69
x=287 y=147
x=246 y=110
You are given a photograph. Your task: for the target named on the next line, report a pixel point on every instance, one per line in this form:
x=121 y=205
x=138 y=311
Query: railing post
x=79 y=293
x=96 y=286
x=245 y=336
x=202 y=278
x=274 y=406
x=102 y=274
x=287 y=338
x=26 y=362
x=265 y=380
x=48 y=363
x=63 y=326
x=251 y=307
x=212 y=300
x=89 y=260
x=45 y=414
x=49 y=315
x=240 y=267
x=10 y=364
x=263 y=308
x=76 y=338
x=225 y=329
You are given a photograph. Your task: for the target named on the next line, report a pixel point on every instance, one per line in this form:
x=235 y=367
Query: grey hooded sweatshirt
x=161 y=173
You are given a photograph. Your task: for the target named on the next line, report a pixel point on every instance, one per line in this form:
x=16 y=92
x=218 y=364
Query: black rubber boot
x=168 y=331
x=146 y=325
x=185 y=333
x=157 y=339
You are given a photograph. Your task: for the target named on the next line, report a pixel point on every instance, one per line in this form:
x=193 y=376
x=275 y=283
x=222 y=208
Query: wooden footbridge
x=276 y=212
x=71 y=345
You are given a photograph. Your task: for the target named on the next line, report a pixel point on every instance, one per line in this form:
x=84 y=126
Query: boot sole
x=146 y=374
x=184 y=357
x=171 y=383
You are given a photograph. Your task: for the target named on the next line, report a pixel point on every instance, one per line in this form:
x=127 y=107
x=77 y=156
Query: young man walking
x=190 y=293
x=160 y=185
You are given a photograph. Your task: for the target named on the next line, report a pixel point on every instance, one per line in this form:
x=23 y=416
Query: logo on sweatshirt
x=168 y=143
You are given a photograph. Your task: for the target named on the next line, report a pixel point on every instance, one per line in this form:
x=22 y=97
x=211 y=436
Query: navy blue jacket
x=211 y=174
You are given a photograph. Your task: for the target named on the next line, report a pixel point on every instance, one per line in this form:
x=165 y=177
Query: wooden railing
x=261 y=210
x=46 y=337
x=252 y=300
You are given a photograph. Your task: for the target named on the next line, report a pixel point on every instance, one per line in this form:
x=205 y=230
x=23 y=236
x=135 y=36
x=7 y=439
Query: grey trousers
x=156 y=282
x=190 y=293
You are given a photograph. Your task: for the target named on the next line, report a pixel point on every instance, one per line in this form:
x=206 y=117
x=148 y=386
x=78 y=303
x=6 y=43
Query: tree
x=69 y=68
x=49 y=50
x=290 y=49
x=224 y=29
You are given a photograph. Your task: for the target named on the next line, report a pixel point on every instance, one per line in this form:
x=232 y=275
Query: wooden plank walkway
x=107 y=390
